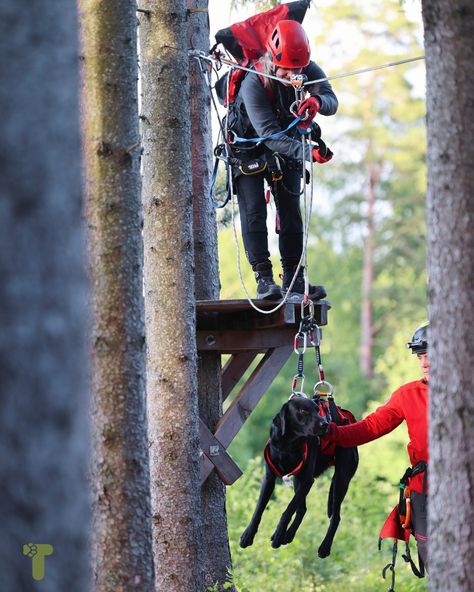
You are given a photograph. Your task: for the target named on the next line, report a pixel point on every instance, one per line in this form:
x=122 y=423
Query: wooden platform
x=234 y=327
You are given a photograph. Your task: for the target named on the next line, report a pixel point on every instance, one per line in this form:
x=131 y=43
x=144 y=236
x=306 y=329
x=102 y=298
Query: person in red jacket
x=408 y=403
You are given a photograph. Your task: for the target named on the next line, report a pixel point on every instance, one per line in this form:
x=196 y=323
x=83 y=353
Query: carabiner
x=298 y=336
x=325 y=383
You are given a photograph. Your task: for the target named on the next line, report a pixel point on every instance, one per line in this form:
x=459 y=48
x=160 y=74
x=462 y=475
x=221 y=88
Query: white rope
x=303 y=258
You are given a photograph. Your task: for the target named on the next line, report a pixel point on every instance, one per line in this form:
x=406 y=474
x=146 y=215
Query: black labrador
x=294 y=449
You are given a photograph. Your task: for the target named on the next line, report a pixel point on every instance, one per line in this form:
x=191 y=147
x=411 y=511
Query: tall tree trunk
x=449 y=34
x=366 y=326
x=169 y=298
x=373 y=175
x=121 y=552
x=43 y=316
x=215 y=541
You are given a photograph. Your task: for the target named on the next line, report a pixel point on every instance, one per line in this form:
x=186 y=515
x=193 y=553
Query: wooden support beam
x=247 y=399
x=216 y=453
x=234 y=369
x=244 y=340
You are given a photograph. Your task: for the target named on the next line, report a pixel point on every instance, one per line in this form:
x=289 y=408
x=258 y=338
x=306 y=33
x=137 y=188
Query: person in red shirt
x=408 y=403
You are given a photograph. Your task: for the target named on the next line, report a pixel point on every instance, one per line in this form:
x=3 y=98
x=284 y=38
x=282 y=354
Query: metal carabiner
x=323 y=393
x=296 y=343
x=310 y=304
x=295 y=382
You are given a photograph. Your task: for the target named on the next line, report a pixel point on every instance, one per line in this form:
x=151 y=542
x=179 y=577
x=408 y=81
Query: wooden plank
x=206 y=467
x=242 y=340
x=234 y=307
x=251 y=393
x=226 y=468
x=234 y=369
x=246 y=401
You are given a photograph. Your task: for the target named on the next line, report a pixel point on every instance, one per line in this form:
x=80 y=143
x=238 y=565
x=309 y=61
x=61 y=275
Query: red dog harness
x=278 y=473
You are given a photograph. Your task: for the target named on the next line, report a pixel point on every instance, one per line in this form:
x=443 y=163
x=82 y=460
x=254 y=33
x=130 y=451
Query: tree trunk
x=215 y=542
x=373 y=175
x=121 y=550
x=449 y=34
x=169 y=298
x=43 y=364
x=366 y=327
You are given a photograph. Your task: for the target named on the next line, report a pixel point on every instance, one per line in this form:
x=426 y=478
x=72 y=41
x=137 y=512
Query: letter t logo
x=37 y=553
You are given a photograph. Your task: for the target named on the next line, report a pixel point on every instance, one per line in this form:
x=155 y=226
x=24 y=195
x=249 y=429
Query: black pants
x=419 y=507
x=253 y=217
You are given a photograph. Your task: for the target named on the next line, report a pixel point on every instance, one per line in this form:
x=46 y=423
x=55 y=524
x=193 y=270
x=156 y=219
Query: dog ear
x=282 y=417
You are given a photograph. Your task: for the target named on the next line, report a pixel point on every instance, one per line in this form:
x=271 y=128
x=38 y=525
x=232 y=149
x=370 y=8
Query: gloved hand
x=321 y=155
x=312 y=105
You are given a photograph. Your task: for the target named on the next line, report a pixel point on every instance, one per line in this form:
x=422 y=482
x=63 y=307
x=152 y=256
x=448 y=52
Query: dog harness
x=278 y=473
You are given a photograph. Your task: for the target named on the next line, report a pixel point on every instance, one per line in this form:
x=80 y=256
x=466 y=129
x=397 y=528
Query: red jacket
x=409 y=403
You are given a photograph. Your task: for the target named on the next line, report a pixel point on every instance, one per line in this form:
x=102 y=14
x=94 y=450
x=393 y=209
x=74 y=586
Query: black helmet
x=419 y=341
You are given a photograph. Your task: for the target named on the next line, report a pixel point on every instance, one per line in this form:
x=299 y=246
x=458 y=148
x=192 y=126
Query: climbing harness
x=398 y=525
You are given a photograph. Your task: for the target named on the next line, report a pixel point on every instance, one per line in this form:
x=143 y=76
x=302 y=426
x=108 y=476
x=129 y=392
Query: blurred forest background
x=367 y=246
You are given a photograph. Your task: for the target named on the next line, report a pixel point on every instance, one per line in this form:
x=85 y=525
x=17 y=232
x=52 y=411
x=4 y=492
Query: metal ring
x=326 y=384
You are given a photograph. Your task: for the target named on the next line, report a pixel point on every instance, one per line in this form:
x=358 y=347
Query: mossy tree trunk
x=169 y=297
x=449 y=34
x=121 y=551
x=215 y=542
x=43 y=317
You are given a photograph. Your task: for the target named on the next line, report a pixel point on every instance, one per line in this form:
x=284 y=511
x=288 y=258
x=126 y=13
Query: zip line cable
x=221 y=60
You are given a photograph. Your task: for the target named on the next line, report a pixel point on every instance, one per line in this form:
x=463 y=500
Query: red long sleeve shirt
x=409 y=403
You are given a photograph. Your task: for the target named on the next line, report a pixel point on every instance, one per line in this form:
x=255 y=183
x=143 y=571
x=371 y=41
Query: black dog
x=294 y=449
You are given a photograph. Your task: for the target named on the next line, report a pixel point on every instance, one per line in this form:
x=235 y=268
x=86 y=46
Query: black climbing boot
x=267 y=289
x=297 y=291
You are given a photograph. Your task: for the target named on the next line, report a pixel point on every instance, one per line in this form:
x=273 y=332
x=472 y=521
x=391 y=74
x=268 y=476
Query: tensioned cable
x=232 y=64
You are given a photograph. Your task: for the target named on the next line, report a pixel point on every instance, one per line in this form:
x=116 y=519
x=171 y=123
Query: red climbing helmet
x=289 y=45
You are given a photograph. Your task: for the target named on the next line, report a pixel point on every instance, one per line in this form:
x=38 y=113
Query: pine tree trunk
x=366 y=328
x=215 y=541
x=121 y=550
x=373 y=175
x=43 y=316
x=169 y=298
x=449 y=34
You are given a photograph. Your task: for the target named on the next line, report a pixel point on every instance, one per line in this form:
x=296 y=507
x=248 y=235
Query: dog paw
x=324 y=551
x=247 y=538
x=277 y=538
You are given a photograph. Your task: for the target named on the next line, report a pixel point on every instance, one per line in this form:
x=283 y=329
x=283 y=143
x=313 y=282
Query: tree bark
x=169 y=298
x=43 y=365
x=449 y=31
x=121 y=550
x=215 y=541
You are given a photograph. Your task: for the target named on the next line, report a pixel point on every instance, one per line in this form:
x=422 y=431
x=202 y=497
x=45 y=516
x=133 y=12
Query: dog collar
x=295 y=471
